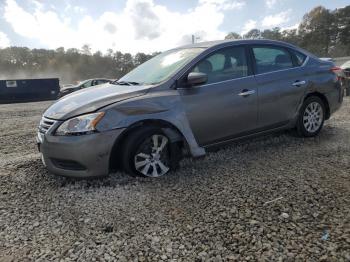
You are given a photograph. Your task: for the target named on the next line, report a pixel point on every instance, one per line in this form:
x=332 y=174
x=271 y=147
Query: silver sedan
x=184 y=101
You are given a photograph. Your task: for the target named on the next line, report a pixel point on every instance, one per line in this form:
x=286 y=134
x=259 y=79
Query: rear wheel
x=149 y=152
x=311 y=117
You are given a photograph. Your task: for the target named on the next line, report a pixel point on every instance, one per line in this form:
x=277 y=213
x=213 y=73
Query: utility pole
x=195 y=38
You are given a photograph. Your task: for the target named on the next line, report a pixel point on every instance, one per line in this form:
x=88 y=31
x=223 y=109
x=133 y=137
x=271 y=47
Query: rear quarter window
x=299 y=57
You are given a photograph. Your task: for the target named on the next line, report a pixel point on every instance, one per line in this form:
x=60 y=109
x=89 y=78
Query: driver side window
x=225 y=64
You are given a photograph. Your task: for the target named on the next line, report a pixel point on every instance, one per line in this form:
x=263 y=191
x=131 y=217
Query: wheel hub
x=156 y=157
x=152 y=157
x=313 y=117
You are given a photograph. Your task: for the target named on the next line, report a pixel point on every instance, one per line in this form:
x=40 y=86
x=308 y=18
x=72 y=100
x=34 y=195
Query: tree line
x=69 y=65
x=323 y=32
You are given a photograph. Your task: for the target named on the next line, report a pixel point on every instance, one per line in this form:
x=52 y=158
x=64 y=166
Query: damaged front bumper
x=78 y=156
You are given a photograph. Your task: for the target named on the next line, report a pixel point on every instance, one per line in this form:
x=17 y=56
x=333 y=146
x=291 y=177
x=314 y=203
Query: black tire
x=137 y=141
x=302 y=127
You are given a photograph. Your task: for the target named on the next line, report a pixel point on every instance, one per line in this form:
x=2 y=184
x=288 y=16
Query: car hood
x=90 y=99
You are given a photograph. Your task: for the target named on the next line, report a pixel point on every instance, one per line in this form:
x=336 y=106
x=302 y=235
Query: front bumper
x=78 y=156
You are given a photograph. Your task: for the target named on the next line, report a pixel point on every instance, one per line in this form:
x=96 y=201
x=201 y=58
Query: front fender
x=165 y=106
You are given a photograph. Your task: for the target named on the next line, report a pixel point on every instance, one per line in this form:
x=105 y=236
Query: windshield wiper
x=125 y=83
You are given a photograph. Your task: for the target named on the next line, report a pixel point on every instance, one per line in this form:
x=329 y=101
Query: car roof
x=224 y=43
x=239 y=41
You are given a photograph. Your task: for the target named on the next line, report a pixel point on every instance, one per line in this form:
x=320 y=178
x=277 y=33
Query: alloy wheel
x=152 y=157
x=313 y=117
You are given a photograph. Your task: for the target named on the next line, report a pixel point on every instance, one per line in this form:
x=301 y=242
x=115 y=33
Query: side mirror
x=196 y=78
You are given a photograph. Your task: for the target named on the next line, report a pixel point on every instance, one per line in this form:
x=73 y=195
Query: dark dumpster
x=28 y=90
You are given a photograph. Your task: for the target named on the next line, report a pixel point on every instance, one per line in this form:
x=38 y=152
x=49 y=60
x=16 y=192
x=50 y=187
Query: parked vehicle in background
x=329 y=59
x=66 y=85
x=341 y=76
x=28 y=90
x=67 y=89
x=346 y=69
x=188 y=99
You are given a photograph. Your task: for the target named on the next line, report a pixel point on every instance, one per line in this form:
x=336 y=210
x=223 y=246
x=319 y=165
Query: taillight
x=337 y=70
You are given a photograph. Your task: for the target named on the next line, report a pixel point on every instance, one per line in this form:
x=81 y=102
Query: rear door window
x=271 y=58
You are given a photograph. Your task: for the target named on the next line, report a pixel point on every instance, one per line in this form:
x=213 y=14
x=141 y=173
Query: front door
x=226 y=105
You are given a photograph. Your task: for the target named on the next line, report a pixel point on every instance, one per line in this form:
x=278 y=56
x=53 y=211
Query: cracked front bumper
x=78 y=156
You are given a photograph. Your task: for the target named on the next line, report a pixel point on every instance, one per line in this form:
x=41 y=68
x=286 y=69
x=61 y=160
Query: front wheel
x=311 y=117
x=148 y=152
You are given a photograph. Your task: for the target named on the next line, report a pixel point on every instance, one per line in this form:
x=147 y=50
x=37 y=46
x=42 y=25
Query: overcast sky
x=141 y=25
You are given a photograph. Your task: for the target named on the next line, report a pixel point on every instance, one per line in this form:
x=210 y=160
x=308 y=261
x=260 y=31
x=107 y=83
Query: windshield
x=161 y=67
x=80 y=83
x=84 y=84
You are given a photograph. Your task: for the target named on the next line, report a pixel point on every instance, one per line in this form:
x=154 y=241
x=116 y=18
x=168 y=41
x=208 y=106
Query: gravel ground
x=213 y=209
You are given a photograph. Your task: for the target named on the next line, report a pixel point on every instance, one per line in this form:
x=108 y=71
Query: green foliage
x=323 y=32
x=69 y=65
x=233 y=36
x=253 y=34
x=274 y=34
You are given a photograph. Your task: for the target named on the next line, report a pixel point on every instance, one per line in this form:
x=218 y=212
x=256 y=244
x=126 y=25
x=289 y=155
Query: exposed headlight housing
x=80 y=125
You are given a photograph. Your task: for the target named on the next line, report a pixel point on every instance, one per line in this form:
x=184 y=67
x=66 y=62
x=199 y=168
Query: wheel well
x=118 y=144
x=324 y=100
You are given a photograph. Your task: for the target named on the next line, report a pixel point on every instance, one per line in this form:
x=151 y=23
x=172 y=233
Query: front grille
x=45 y=124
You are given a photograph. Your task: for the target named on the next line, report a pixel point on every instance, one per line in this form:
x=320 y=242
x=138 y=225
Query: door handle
x=246 y=92
x=299 y=83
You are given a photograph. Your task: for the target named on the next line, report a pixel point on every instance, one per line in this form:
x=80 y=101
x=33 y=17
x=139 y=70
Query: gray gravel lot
x=211 y=209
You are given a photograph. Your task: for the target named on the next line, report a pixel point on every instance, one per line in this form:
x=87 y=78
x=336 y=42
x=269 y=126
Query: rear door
x=281 y=84
x=226 y=105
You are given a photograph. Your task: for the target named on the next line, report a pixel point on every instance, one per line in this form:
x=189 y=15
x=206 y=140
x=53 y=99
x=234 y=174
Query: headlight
x=80 y=125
